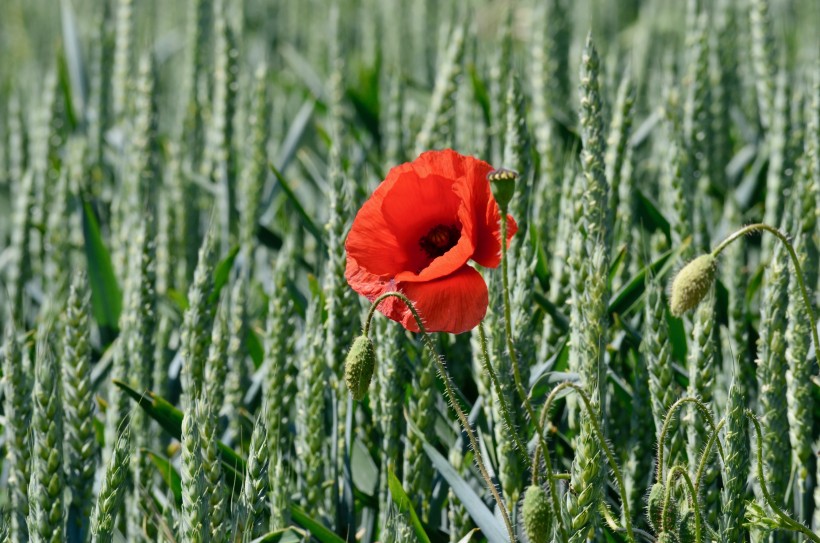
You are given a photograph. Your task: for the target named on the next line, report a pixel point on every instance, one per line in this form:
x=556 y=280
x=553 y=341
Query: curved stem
x=668 y=421
x=522 y=393
x=604 y=445
x=788 y=522
x=798 y=271
x=706 y=452
x=674 y=472
x=449 y=388
x=505 y=410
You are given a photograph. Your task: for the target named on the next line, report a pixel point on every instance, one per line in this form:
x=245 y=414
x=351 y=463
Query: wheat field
x=409 y=271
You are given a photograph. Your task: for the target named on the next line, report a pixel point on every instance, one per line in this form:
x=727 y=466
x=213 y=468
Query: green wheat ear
x=46 y=496
x=112 y=490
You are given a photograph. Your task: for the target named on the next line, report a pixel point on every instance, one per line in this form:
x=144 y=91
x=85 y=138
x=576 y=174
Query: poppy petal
x=413 y=207
x=477 y=194
x=371 y=240
x=455 y=303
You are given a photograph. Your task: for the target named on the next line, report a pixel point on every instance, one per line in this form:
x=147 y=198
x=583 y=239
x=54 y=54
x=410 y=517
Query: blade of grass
x=402 y=501
x=106 y=297
x=307 y=221
x=170 y=419
x=632 y=291
x=286 y=535
x=316 y=529
x=169 y=475
x=222 y=272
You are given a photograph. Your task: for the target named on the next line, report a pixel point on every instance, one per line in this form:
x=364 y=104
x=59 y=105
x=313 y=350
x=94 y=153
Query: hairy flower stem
x=449 y=388
x=798 y=271
x=522 y=393
x=604 y=445
x=706 y=452
x=505 y=410
x=786 y=521
x=674 y=472
x=668 y=421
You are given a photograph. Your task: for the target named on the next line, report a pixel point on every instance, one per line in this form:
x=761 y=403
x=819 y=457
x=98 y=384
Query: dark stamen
x=440 y=239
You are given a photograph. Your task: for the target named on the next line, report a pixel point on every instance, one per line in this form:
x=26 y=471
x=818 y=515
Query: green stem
x=668 y=421
x=797 y=270
x=604 y=445
x=706 y=451
x=449 y=388
x=670 y=480
x=519 y=386
x=788 y=523
x=505 y=410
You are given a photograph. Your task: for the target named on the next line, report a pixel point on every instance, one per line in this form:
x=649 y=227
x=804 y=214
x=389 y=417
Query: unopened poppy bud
x=692 y=283
x=359 y=365
x=654 y=508
x=667 y=537
x=536 y=515
x=687 y=530
x=502 y=182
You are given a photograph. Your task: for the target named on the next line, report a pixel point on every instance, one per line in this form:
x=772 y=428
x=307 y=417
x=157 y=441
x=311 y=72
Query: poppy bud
x=692 y=283
x=654 y=508
x=502 y=183
x=359 y=365
x=687 y=529
x=667 y=537
x=536 y=515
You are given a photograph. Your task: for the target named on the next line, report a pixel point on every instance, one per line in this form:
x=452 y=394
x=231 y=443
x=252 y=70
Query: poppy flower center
x=440 y=239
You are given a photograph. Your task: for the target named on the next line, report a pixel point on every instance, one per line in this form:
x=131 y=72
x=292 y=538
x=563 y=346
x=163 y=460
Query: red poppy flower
x=416 y=234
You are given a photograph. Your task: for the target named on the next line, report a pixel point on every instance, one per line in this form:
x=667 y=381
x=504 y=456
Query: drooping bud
x=536 y=515
x=667 y=537
x=502 y=182
x=687 y=529
x=359 y=366
x=654 y=509
x=692 y=283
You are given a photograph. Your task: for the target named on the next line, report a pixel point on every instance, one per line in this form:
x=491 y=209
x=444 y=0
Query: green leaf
x=403 y=503
x=74 y=66
x=178 y=299
x=168 y=474
x=255 y=349
x=294 y=136
x=221 y=274
x=559 y=319
x=482 y=96
x=272 y=240
x=467 y=538
x=490 y=526
x=650 y=216
x=364 y=470
x=287 y=535
x=170 y=419
x=632 y=291
x=616 y=263
x=106 y=297
x=307 y=221
x=316 y=529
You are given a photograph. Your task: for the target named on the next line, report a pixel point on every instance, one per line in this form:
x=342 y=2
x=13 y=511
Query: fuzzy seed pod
x=692 y=283
x=686 y=531
x=359 y=366
x=536 y=514
x=654 y=508
x=667 y=537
